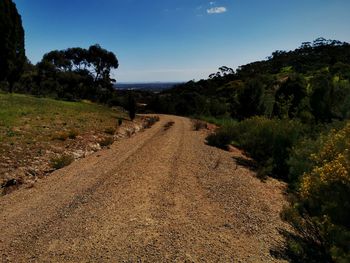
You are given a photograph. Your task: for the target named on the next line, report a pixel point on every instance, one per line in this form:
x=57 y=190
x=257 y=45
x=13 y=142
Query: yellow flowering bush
x=320 y=211
x=333 y=162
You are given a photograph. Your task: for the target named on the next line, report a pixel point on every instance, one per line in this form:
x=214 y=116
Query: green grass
x=43 y=129
x=31 y=116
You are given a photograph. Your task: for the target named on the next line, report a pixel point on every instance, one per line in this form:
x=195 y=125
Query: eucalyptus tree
x=12 y=52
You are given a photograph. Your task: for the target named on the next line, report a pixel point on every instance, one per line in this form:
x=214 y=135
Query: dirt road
x=160 y=196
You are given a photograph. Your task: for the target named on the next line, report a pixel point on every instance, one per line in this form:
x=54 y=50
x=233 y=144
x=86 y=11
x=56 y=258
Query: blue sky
x=179 y=40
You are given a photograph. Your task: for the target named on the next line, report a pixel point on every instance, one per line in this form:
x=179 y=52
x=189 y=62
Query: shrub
x=150 y=121
x=299 y=160
x=321 y=210
x=218 y=108
x=267 y=141
x=61 y=136
x=64 y=135
x=106 y=141
x=199 y=125
x=110 y=130
x=61 y=161
x=223 y=136
x=72 y=134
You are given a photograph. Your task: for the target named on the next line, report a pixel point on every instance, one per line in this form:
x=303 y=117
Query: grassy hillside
x=27 y=117
x=38 y=134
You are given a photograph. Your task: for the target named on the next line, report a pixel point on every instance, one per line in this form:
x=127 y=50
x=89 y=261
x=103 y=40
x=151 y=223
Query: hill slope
x=34 y=131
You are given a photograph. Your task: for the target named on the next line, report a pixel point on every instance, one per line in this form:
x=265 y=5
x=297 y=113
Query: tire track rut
x=160 y=196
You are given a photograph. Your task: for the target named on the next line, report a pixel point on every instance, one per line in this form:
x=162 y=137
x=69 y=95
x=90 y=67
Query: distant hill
x=311 y=82
x=150 y=86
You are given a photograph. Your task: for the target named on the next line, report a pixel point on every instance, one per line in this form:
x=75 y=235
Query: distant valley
x=149 y=86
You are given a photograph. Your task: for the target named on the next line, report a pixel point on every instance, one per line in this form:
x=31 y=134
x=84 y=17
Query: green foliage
x=268 y=141
x=310 y=83
x=321 y=99
x=320 y=210
x=48 y=117
x=223 y=137
x=12 y=53
x=299 y=161
x=221 y=121
x=95 y=61
x=218 y=108
x=77 y=73
x=61 y=161
x=71 y=74
x=250 y=100
x=289 y=97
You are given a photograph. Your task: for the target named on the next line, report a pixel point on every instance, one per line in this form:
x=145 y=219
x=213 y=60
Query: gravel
x=162 y=195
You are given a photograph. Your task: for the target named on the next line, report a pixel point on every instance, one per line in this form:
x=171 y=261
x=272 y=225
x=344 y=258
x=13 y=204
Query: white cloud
x=217 y=10
x=212 y=3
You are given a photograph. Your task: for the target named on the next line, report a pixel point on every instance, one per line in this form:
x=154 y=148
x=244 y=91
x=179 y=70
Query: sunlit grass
x=29 y=117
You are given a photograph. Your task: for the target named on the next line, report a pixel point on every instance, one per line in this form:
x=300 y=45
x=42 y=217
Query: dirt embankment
x=160 y=196
x=22 y=165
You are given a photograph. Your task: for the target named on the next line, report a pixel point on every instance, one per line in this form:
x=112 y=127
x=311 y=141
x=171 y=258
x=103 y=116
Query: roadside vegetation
x=51 y=119
x=37 y=134
x=290 y=114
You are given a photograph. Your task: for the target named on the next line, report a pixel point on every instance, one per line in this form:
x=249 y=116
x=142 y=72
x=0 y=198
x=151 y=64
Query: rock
x=30 y=184
x=87 y=153
x=11 y=182
x=31 y=172
x=95 y=147
x=78 y=154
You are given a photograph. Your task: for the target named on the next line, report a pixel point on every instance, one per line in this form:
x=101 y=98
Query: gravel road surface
x=162 y=195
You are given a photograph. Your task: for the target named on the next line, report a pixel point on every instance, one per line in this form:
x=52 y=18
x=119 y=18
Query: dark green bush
x=267 y=141
x=320 y=209
x=61 y=161
x=223 y=136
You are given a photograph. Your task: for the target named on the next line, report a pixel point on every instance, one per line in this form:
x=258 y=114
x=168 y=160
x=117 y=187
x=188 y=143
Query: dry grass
x=106 y=141
x=110 y=130
x=199 y=125
x=61 y=161
x=32 y=128
x=150 y=121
